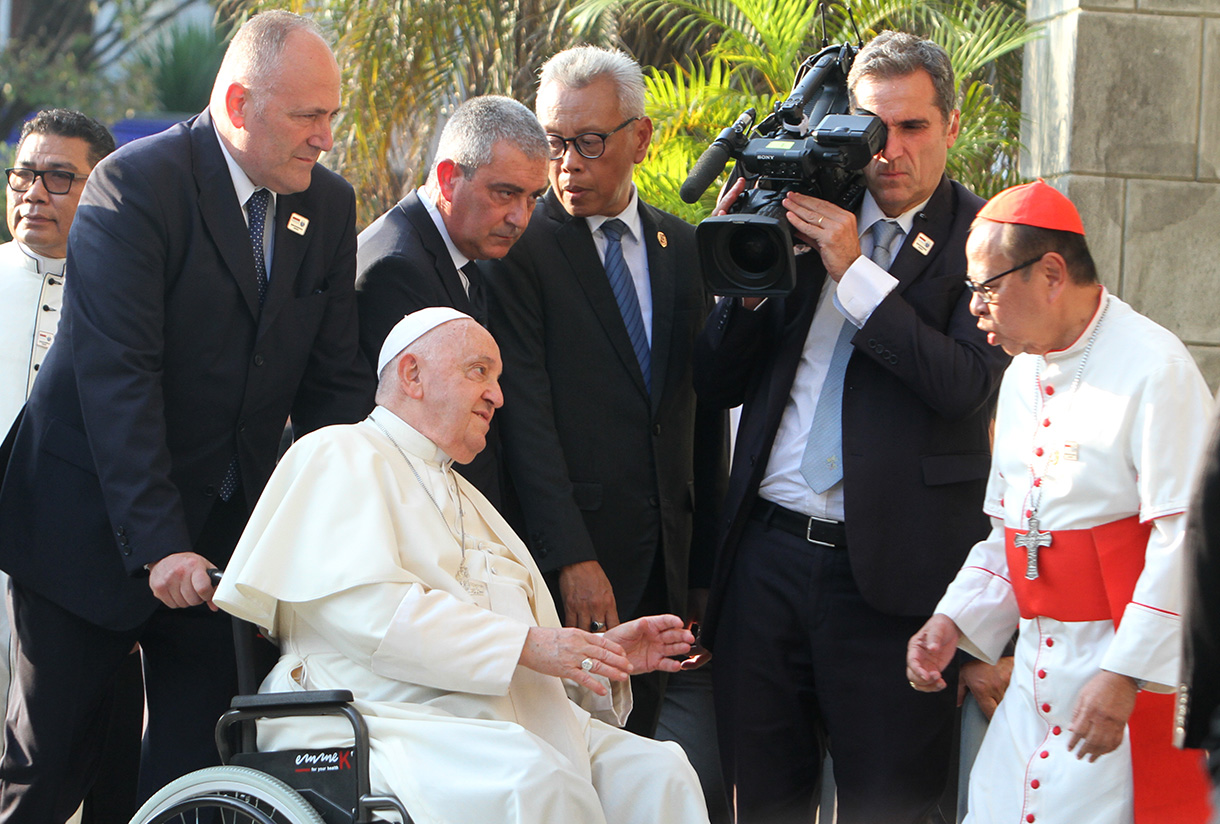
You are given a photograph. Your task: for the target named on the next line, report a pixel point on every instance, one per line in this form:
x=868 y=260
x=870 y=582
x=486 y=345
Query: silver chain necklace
x=1034 y=538
x=463 y=575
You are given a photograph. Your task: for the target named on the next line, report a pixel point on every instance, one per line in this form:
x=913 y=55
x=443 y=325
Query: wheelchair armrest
x=310 y=698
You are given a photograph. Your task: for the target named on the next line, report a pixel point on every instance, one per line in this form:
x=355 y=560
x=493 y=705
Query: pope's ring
x=819 y=220
x=587 y=665
x=598 y=626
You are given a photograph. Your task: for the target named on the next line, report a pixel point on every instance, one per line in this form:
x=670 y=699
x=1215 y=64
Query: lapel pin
x=298 y=223
x=923 y=244
x=661 y=239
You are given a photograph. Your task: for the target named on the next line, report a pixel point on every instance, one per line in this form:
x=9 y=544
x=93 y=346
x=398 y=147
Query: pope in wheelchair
x=379 y=570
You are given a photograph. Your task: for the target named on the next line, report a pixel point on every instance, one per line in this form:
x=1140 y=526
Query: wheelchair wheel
x=227 y=795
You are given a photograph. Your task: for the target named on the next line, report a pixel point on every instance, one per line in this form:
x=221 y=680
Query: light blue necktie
x=822 y=462
x=623 y=287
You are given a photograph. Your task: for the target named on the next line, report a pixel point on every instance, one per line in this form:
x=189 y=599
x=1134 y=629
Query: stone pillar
x=1121 y=106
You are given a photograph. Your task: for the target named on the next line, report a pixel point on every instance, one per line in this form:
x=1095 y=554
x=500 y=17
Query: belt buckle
x=809 y=528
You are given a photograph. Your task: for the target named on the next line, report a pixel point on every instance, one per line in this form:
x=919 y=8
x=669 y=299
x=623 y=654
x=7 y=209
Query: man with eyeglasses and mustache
x=1101 y=423
x=596 y=309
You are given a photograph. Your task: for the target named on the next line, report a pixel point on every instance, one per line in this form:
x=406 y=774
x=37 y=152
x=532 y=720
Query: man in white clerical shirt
x=1101 y=420
x=379 y=569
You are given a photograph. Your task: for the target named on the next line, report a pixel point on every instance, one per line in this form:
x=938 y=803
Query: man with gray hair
x=208 y=298
x=490 y=169
x=860 y=466
x=380 y=570
x=596 y=310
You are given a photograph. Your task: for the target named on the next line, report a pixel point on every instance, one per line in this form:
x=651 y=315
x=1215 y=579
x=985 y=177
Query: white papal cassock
x=1102 y=456
x=351 y=565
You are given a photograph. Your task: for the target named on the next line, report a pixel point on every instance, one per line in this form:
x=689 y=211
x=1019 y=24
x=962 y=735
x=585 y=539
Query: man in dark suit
x=489 y=172
x=209 y=297
x=1198 y=716
x=596 y=309
x=858 y=478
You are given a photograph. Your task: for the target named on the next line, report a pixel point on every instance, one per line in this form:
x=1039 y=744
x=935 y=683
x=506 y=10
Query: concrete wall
x=1122 y=107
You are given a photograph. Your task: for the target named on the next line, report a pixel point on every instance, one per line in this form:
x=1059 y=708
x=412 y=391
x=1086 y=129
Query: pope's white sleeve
x=981 y=600
x=420 y=636
x=1147 y=645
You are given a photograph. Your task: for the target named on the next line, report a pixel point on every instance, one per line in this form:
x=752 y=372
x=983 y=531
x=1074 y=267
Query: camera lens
x=752 y=250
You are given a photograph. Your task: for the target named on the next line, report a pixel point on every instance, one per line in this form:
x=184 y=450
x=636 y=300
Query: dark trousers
x=64 y=688
x=802 y=665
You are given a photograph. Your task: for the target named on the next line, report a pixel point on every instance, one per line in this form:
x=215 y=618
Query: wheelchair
x=300 y=786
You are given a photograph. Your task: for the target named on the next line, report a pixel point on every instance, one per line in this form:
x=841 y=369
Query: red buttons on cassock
x=1030 y=818
x=1056 y=730
x=1046 y=707
x=1038 y=452
x=1050 y=642
x=1029 y=513
x=1046 y=422
x=1050 y=390
x=1044 y=754
x=1035 y=784
x=1037 y=482
x=1041 y=673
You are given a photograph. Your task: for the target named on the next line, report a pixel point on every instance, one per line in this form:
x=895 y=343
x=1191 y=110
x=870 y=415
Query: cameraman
x=860 y=466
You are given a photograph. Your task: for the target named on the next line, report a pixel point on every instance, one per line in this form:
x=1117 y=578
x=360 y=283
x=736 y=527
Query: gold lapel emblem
x=923 y=244
x=661 y=239
x=298 y=223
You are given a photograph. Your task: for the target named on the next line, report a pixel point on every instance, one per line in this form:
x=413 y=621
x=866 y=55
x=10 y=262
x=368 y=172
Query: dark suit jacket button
x=121 y=531
x=258 y=360
x=209 y=490
x=656 y=429
x=654 y=501
x=126 y=550
x=241 y=425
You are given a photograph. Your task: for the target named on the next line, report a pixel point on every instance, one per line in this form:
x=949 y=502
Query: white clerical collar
x=42 y=264
x=242 y=184
x=1075 y=347
x=428 y=198
x=870 y=213
x=408 y=437
x=630 y=216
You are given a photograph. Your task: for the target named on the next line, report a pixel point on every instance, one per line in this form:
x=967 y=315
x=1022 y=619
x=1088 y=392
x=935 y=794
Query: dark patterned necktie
x=256 y=208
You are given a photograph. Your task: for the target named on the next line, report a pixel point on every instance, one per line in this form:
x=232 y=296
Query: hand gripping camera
x=809 y=144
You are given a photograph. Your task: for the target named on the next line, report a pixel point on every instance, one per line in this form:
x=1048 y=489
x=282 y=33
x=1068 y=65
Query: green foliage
x=62 y=53
x=181 y=67
x=756 y=45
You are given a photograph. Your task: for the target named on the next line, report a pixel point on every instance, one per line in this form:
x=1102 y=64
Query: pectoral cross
x=1031 y=541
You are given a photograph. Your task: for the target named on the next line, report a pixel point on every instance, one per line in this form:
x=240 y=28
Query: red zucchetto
x=1034 y=204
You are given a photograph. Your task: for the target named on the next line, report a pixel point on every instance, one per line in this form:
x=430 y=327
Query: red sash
x=1090 y=575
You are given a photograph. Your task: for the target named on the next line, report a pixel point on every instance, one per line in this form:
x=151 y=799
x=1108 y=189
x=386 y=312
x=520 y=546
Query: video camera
x=810 y=144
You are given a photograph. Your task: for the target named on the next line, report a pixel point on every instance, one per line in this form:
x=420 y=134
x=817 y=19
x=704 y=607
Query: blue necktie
x=624 y=292
x=256 y=208
x=822 y=462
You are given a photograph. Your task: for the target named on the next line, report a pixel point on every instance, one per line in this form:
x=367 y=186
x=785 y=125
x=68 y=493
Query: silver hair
x=897 y=54
x=580 y=66
x=254 y=55
x=478 y=124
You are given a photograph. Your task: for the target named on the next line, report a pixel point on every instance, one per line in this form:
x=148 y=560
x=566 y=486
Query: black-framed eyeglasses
x=590 y=145
x=56 y=181
x=984 y=290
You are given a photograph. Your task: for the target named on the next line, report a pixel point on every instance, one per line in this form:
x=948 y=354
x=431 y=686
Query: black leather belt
x=820 y=531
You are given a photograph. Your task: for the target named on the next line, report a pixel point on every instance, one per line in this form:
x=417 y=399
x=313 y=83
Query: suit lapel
x=934 y=222
x=442 y=262
x=662 y=279
x=290 y=248
x=576 y=242
x=221 y=212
